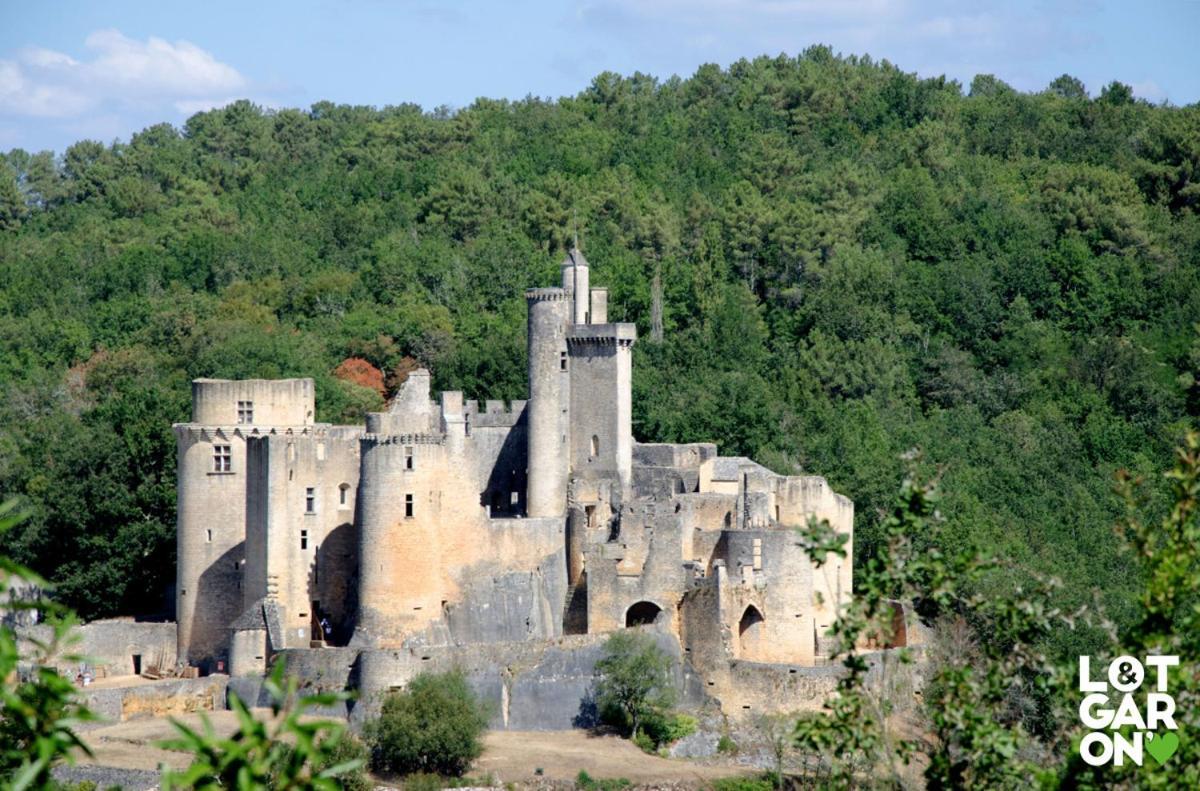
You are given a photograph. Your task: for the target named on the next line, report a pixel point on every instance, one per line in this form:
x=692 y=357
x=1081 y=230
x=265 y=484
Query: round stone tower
x=546 y=415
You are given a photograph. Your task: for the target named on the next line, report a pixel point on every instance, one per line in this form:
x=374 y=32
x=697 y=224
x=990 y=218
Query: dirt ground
x=513 y=756
x=510 y=756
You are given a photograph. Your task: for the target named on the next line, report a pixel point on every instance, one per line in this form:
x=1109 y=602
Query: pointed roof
x=574 y=258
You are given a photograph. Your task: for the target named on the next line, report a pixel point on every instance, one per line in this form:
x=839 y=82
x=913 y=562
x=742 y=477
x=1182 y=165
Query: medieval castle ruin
x=445 y=531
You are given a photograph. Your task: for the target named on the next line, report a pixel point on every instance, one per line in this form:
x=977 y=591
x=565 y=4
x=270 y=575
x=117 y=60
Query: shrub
x=634 y=682
x=727 y=745
x=349 y=749
x=433 y=726
x=291 y=752
x=764 y=782
x=586 y=782
x=645 y=743
x=666 y=728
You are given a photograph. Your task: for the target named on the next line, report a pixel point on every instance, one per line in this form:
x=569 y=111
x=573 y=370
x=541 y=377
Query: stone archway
x=642 y=613
x=751 y=634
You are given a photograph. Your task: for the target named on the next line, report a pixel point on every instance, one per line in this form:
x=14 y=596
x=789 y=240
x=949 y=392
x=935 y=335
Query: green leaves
x=291 y=750
x=432 y=726
x=39 y=710
x=633 y=682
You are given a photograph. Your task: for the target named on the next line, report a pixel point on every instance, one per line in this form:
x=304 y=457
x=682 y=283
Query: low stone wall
x=169 y=697
x=110 y=646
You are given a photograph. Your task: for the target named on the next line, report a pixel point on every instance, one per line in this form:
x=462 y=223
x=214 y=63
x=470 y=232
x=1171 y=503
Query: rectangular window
x=342 y=490
x=408 y=458
x=408 y=506
x=304 y=539
x=562 y=361
x=245 y=412
x=209 y=534
x=310 y=500
x=222 y=458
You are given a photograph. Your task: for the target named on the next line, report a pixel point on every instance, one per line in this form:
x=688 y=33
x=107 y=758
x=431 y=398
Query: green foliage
x=433 y=726
x=347 y=751
x=766 y=782
x=726 y=745
x=1000 y=711
x=668 y=727
x=634 y=686
x=38 y=708
x=845 y=260
x=291 y=751
x=585 y=782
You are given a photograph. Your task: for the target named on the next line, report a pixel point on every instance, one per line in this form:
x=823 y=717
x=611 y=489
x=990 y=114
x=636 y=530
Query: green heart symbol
x=1163 y=746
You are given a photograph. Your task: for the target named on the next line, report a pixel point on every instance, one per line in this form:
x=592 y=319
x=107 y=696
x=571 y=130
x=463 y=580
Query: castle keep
x=446 y=525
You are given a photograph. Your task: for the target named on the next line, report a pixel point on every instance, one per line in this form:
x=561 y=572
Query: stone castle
x=446 y=527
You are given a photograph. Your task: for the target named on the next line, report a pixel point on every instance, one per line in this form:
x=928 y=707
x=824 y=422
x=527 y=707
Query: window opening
x=222 y=458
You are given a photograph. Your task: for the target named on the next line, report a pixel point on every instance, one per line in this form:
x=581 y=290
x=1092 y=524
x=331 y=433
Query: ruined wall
x=528 y=685
x=165 y=698
x=799 y=498
x=465 y=565
x=274 y=402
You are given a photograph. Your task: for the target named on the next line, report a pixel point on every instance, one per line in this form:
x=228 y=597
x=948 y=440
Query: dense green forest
x=848 y=262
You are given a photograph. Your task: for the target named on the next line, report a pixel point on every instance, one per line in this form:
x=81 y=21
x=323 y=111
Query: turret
x=546 y=416
x=575 y=281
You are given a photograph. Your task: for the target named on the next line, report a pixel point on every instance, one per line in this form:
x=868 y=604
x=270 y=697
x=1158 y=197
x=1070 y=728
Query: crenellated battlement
x=203 y=432
x=547 y=295
x=620 y=335
x=494 y=414
x=403 y=439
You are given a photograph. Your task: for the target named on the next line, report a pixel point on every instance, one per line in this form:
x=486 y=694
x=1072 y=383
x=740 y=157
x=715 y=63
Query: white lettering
x=1101 y=718
x=1124 y=747
x=1106 y=751
x=1161 y=663
x=1085 y=682
x=1128 y=713
x=1160 y=710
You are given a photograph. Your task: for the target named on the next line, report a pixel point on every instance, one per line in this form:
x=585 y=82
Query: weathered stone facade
x=443 y=525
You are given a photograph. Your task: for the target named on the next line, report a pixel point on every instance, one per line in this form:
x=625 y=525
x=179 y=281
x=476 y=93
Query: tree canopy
x=844 y=261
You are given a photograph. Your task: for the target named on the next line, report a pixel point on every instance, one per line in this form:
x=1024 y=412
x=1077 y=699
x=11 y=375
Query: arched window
x=642 y=613
x=595 y=446
x=343 y=494
x=750 y=634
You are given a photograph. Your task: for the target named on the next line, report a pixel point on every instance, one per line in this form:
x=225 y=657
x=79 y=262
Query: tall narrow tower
x=546 y=414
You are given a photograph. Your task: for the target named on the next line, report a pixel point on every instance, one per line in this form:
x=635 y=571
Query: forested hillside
x=848 y=262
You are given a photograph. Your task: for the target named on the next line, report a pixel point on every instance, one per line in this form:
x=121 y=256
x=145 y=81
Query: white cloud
x=190 y=107
x=121 y=71
x=1149 y=90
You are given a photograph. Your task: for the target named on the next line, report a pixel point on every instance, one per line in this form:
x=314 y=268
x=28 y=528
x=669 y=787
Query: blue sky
x=71 y=69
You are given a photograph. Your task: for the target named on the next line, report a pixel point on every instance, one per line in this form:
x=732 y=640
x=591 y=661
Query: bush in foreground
x=434 y=726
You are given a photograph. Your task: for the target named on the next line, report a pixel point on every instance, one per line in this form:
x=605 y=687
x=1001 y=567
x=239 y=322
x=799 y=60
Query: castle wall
x=466 y=566
x=212 y=504
x=299 y=556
